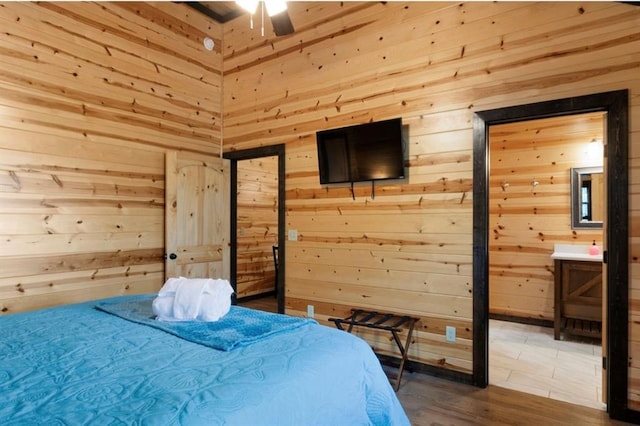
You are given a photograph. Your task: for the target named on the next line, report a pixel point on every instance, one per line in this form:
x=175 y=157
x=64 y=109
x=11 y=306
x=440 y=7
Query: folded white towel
x=162 y=307
x=193 y=299
x=186 y=302
x=170 y=286
x=216 y=300
x=163 y=304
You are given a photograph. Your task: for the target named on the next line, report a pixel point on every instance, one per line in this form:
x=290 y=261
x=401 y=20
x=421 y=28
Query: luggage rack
x=382 y=321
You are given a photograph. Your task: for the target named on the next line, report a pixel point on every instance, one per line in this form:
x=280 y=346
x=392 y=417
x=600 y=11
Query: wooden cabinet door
x=582 y=290
x=197 y=219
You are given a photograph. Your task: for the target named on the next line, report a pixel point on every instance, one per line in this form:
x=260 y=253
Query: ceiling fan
x=277 y=11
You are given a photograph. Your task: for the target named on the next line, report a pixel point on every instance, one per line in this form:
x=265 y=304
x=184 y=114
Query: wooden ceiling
x=220 y=11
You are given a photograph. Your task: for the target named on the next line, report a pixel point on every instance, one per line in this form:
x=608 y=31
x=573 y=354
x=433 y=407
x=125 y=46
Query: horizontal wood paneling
x=91 y=97
x=257 y=225
x=526 y=220
x=94 y=93
x=433 y=64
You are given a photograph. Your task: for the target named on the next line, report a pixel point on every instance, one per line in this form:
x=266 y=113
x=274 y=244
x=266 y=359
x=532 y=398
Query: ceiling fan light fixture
x=277 y=11
x=249 y=5
x=275 y=6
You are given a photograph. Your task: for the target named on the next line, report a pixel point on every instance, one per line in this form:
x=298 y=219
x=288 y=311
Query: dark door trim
x=247 y=154
x=616 y=105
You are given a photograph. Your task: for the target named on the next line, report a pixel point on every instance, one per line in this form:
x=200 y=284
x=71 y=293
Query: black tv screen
x=365 y=152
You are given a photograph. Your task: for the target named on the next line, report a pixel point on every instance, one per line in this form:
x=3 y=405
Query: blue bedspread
x=239 y=327
x=76 y=365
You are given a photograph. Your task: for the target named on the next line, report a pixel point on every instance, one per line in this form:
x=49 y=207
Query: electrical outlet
x=293 y=235
x=310 y=311
x=450 y=334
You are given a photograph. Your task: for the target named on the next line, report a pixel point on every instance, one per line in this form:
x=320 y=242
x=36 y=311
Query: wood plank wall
x=257 y=225
x=433 y=64
x=526 y=220
x=91 y=97
x=92 y=94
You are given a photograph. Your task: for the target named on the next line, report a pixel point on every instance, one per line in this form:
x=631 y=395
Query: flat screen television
x=364 y=152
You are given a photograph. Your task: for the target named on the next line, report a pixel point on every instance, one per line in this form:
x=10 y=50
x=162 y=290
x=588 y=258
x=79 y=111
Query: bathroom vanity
x=577 y=291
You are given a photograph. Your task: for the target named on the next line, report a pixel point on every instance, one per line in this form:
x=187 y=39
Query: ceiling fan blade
x=282 y=23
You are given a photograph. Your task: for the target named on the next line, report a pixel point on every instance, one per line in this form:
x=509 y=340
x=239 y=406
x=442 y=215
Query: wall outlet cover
x=450 y=334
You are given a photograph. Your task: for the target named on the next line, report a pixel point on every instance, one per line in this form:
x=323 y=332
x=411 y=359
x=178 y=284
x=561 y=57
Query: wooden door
x=197 y=219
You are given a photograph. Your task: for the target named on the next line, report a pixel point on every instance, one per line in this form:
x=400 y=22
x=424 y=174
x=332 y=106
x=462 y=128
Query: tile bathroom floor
x=526 y=358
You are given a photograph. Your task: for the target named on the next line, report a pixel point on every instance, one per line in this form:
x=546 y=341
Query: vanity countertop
x=575 y=252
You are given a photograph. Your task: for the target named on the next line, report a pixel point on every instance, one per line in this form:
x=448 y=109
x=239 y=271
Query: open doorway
x=257 y=227
x=615 y=105
x=531 y=223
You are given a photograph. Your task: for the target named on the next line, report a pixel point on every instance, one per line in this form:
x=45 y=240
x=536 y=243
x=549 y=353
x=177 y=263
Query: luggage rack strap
x=373 y=319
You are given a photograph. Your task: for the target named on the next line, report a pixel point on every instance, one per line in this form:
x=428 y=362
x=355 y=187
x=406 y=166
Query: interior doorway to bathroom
x=615 y=241
x=530 y=212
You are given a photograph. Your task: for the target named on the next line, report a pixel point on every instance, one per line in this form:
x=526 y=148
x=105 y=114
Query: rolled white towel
x=216 y=300
x=193 y=299
x=171 y=285
x=186 y=303
x=162 y=307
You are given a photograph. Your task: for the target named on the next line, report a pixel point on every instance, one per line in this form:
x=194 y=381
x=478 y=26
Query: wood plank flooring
x=432 y=401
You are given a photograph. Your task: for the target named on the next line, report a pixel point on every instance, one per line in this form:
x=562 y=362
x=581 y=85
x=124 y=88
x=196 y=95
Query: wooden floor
x=429 y=400
x=269 y=304
x=432 y=401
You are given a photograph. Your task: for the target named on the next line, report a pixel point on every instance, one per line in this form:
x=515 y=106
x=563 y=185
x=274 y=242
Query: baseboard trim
x=431 y=370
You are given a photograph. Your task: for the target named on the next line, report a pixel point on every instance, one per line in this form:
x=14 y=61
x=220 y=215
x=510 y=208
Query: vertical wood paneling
x=433 y=64
x=530 y=207
x=91 y=95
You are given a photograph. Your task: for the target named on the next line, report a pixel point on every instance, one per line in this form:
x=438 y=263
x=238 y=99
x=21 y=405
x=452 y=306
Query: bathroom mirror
x=587 y=197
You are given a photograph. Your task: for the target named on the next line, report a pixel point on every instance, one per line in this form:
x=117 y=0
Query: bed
x=85 y=364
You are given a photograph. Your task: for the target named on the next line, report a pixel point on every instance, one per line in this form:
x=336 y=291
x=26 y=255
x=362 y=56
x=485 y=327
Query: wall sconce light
x=595 y=149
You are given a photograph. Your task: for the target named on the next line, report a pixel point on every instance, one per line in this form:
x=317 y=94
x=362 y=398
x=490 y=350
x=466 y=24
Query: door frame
x=248 y=154
x=616 y=105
